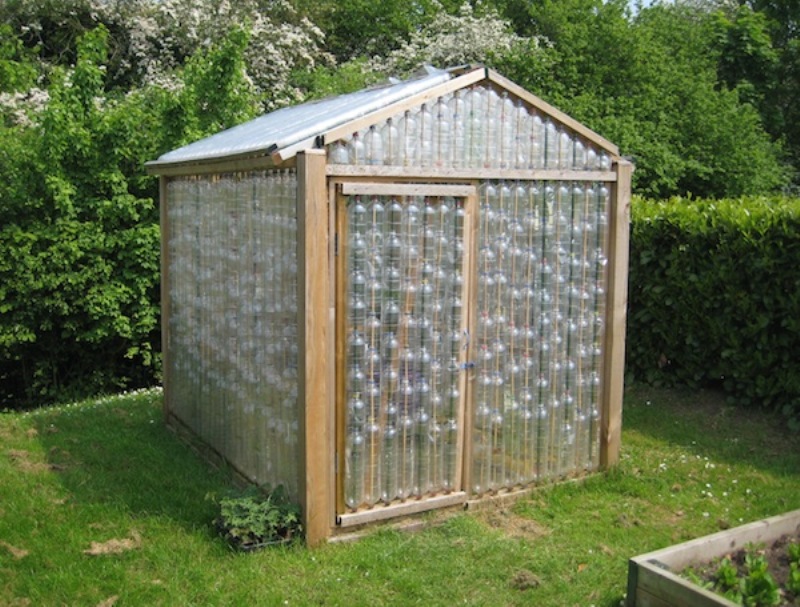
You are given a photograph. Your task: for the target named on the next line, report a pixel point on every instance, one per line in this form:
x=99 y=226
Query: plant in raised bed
x=793 y=582
x=258 y=518
x=759 y=588
x=727 y=581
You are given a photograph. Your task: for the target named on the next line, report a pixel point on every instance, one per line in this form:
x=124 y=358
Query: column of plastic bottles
x=541 y=270
x=233 y=317
x=473 y=128
x=404 y=316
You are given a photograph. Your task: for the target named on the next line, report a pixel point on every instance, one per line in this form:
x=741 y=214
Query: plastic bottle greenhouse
x=406 y=298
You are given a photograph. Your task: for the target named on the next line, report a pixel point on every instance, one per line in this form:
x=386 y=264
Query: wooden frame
x=340 y=190
x=340 y=299
x=313 y=286
x=447 y=174
x=471 y=307
x=616 y=313
x=653 y=579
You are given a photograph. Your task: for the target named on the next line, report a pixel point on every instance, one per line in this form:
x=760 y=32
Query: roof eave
x=250 y=160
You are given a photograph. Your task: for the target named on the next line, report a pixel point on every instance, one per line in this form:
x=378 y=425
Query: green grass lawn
x=107 y=477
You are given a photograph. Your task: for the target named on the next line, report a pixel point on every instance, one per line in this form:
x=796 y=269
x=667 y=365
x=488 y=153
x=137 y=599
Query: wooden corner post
x=616 y=312
x=313 y=285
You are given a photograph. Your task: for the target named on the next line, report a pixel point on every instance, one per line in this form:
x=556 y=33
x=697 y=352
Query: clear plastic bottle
x=591 y=159
x=506 y=132
x=551 y=140
x=458 y=121
x=373 y=464
x=442 y=134
x=581 y=160
x=474 y=101
x=425 y=133
x=407 y=482
x=389 y=478
x=339 y=153
x=566 y=149
x=450 y=454
x=373 y=146
x=536 y=142
x=492 y=130
x=392 y=147
x=356 y=150
x=407 y=131
x=355 y=454
x=522 y=129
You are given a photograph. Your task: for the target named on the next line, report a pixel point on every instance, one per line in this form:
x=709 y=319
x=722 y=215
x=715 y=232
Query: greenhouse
x=406 y=298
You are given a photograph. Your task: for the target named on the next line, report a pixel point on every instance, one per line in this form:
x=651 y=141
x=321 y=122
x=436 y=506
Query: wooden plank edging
x=652 y=574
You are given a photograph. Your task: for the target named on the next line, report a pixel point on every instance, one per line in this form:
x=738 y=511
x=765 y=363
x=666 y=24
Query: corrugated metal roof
x=291 y=125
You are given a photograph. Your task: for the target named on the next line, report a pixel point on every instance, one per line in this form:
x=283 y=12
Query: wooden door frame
x=340 y=190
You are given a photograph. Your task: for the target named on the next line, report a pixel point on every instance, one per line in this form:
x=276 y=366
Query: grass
x=101 y=505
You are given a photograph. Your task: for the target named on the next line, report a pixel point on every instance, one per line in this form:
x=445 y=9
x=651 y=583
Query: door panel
x=403 y=339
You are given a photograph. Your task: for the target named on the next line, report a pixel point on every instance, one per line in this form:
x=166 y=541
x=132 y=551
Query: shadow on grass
x=119 y=453
x=702 y=421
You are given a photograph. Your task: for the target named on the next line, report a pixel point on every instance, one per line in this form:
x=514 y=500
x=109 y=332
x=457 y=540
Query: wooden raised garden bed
x=654 y=580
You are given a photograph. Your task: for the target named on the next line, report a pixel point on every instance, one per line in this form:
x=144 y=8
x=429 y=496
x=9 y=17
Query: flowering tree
x=447 y=40
x=164 y=34
x=151 y=39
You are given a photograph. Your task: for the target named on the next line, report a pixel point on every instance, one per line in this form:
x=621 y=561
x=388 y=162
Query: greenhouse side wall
x=232 y=346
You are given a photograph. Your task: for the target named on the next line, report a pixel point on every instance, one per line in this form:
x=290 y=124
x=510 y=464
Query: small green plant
x=759 y=588
x=727 y=580
x=793 y=582
x=257 y=518
x=793 y=552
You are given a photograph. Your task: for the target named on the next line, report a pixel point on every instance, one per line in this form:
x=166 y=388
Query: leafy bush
x=255 y=518
x=79 y=234
x=714 y=297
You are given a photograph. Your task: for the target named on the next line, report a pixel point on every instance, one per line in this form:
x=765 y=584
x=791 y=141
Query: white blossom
x=450 y=40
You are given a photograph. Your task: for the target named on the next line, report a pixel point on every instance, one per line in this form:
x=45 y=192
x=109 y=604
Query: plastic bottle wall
x=233 y=318
x=404 y=337
x=473 y=128
x=538 y=345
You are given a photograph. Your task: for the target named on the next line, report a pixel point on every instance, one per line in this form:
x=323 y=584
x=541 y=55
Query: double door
x=470 y=339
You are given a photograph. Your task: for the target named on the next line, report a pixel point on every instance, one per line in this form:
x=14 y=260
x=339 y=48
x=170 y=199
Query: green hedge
x=714 y=297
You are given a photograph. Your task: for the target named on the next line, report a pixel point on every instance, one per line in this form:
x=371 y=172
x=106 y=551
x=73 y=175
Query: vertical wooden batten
x=616 y=312
x=164 y=294
x=313 y=284
x=467 y=384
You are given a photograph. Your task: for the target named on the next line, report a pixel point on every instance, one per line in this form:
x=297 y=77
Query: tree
x=762 y=37
x=449 y=40
x=364 y=28
x=79 y=235
x=649 y=83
